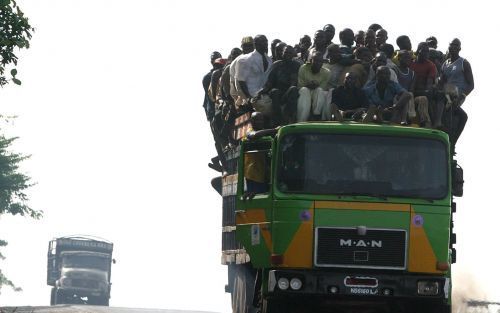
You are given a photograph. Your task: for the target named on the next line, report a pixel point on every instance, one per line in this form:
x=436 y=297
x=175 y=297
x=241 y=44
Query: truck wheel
x=53 y=296
x=59 y=297
x=243 y=289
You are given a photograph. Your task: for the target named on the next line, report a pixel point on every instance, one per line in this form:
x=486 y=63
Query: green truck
x=340 y=217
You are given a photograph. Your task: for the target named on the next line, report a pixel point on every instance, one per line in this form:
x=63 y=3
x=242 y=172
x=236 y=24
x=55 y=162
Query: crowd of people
x=361 y=78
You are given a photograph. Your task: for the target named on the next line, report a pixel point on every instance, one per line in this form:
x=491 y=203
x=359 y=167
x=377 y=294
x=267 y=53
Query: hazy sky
x=110 y=110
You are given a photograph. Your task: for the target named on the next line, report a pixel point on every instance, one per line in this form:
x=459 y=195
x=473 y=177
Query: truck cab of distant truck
x=80 y=271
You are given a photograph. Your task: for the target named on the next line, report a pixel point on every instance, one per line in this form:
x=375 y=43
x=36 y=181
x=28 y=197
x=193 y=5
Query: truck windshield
x=369 y=165
x=86 y=261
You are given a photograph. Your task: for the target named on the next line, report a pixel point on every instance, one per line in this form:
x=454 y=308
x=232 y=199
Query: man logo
x=361 y=243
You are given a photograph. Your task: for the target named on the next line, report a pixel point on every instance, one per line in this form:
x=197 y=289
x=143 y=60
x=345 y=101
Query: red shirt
x=423 y=71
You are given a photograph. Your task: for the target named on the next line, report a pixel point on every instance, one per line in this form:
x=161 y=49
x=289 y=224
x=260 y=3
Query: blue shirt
x=391 y=90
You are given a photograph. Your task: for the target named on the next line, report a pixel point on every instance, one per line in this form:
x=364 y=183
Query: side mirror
x=114 y=261
x=457 y=180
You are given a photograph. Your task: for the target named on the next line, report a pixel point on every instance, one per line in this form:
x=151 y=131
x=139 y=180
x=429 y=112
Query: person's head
x=363 y=54
x=455 y=47
x=219 y=63
x=316 y=62
x=375 y=27
x=388 y=49
x=334 y=53
x=432 y=42
x=260 y=42
x=279 y=50
x=359 y=38
x=346 y=37
x=404 y=42
x=247 y=45
x=288 y=53
x=350 y=80
x=404 y=58
x=383 y=75
x=214 y=56
x=305 y=42
x=258 y=120
x=422 y=52
x=329 y=30
x=380 y=37
x=235 y=52
x=369 y=38
x=273 y=46
x=320 y=39
x=380 y=59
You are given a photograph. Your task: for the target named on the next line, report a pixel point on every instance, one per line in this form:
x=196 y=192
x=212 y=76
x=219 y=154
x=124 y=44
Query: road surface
x=67 y=308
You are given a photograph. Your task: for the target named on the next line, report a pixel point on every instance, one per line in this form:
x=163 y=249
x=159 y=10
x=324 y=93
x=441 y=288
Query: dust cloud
x=466 y=287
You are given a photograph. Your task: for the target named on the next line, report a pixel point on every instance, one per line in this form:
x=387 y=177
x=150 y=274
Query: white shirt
x=250 y=69
x=232 y=71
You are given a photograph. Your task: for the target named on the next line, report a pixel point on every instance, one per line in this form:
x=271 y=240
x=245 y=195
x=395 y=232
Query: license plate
x=363 y=291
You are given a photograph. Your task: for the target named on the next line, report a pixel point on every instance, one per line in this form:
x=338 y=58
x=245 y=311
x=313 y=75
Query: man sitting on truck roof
x=334 y=65
x=348 y=100
x=313 y=86
x=302 y=49
x=404 y=43
x=320 y=44
x=281 y=86
x=418 y=106
x=380 y=60
x=387 y=100
x=247 y=46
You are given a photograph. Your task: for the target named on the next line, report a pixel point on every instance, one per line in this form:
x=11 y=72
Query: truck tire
x=59 y=297
x=53 y=296
x=243 y=289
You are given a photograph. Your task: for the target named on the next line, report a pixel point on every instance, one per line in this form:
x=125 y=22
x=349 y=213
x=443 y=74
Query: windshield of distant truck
x=362 y=165
x=86 y=261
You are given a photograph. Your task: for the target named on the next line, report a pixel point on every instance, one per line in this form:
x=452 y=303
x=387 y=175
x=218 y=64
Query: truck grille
x=343 y=247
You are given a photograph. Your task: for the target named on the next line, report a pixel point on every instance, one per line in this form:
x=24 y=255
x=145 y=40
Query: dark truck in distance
x=79 y=270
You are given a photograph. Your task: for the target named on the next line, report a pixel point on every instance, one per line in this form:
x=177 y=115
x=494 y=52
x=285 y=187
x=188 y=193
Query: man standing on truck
x=208 y=104
x=247 y=46
x=251 y=74
x=457 y=72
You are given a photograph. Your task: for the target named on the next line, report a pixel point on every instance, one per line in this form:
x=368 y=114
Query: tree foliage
x=15 y=32
x=13 y=183
x=12 y=192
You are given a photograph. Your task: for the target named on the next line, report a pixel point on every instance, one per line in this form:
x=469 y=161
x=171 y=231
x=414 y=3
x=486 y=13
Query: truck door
x=254 y=201
x=52 y=264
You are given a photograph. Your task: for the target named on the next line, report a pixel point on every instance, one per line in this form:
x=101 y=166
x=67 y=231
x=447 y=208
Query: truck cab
x=347 y=217
x=79 y=269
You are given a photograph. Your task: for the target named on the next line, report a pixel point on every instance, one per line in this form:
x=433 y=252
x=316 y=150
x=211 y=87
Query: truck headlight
x=295 y=283
x=283 y=283
x=427 y=288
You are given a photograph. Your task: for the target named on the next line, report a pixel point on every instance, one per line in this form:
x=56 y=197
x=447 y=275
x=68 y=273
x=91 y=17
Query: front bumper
x=359 y=285
x=82 y=292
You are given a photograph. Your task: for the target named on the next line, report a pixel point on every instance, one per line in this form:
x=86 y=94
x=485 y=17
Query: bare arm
x=468 y=77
